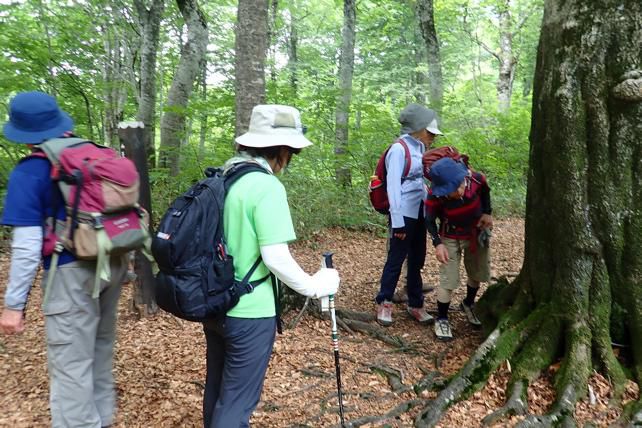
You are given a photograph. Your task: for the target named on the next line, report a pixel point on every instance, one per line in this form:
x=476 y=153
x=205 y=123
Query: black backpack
x=196 y=278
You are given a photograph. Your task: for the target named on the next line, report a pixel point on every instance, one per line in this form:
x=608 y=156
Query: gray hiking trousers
x=80 y=334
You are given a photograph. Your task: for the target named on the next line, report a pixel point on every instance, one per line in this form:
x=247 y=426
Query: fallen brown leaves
x=160 y=363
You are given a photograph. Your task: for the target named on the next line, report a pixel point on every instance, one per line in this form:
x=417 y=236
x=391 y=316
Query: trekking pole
x=327 y=262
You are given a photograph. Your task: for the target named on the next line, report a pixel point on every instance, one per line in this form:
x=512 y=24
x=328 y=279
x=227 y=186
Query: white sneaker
x=384 y=313
x=442 y=329
x=470 y=314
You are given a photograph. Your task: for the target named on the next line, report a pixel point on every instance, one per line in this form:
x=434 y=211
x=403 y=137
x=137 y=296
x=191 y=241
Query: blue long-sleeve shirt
x=407 y=196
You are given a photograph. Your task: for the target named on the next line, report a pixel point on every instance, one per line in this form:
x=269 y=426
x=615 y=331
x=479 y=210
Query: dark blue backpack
x=196 y=281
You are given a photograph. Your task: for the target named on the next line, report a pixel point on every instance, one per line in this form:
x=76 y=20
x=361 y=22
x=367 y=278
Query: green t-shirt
x=256 y=213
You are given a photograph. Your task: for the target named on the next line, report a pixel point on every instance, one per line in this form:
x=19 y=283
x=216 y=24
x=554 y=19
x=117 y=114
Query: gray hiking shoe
x=470 y=314
x=420 y=315
x=442 y=329
x=384 y=313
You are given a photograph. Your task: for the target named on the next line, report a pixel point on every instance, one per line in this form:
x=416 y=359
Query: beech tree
x=249 y=65
x=342 y=115
x=580 y=286
x=426 y=17
x=189 y=66
x=149 y=23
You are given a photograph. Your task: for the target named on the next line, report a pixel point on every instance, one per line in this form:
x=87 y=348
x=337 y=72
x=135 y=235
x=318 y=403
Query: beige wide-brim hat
x=274 y=125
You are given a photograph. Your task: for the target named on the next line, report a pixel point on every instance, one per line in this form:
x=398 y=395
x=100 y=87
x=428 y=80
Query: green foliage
x=60 y=47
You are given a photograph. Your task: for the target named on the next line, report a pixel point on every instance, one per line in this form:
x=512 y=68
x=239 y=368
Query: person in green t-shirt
x=257 y=223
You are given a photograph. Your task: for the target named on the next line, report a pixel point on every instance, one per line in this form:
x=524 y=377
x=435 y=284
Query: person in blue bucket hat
x=460 y=199
x=80 y=331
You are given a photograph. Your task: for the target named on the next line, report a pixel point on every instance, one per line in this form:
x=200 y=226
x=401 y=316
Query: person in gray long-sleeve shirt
x=406 y=195
x=80 y=331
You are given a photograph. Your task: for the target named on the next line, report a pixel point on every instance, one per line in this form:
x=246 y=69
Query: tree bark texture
x=346 y=70
x=580 y=287
x=507 y=61
x=118 y=59
x=426 y=16
x=293 y=59
x=250 y=53
x=149 y=23
x=189 y=66
x=132 y=137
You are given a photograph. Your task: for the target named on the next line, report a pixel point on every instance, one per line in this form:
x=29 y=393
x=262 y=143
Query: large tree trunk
x=580 y=287
x=149 y=22
x=426 y=16
x=249 y=67
x=346 y=70
x=189 y=65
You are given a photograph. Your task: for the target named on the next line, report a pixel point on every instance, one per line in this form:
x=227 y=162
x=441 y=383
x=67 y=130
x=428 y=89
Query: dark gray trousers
x=238 y=354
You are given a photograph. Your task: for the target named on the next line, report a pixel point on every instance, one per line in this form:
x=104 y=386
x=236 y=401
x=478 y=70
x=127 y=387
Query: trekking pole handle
x=327 y=301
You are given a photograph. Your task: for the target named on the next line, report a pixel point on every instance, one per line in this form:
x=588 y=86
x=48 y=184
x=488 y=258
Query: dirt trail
x=160 y=361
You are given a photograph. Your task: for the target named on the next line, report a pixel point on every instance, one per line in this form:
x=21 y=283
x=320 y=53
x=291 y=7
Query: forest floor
x=160 y=362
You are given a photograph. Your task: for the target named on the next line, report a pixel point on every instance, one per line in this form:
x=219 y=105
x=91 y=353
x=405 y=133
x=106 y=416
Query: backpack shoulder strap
x=53 y=147
x=238 y=170
x=406 y=168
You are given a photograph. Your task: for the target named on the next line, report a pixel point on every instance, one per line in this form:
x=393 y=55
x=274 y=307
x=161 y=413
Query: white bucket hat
x=274 y=125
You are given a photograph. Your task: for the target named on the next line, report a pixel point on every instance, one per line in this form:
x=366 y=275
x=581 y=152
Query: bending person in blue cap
x=80 y=330
x=460 y=199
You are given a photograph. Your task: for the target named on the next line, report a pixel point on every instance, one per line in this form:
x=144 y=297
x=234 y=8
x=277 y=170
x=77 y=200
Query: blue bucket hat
x=35 y=117
x=446 y=176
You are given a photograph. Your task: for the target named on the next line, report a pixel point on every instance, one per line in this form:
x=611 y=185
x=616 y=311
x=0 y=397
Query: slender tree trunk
x=507 y=61
x=346 y=70
x=293 y=44
x=426 y=16
x=273 y=9
x=249 y=67
x=44 y=21
x=580 y=287
x=419 y=74
x=149 y=21
x=204 y=115
x=189 y=65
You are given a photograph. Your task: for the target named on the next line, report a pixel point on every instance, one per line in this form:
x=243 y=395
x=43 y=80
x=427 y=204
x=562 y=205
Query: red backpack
x=377 y=189
x=433 y=155
x=100 y=189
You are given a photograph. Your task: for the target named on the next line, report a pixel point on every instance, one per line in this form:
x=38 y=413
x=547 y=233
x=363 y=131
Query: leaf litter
x=160 y=360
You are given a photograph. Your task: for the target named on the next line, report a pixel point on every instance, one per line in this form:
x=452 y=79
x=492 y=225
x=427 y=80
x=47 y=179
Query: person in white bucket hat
x=257 y=222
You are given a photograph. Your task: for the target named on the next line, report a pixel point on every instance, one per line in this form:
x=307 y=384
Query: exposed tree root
x=296 y=319
x=599 y=322
x=515 y=405
x=376 y=332
x=499 y=346
x=537 y=354
x=395 y=377
x=379 y=419
x=431 y=381
x=355 y=315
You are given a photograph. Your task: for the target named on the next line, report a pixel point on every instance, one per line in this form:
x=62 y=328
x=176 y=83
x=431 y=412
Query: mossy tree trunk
x=580 y=287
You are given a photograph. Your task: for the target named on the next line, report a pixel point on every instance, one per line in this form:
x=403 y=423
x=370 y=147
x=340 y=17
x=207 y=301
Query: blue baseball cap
x=35 y=117
x=446 y=176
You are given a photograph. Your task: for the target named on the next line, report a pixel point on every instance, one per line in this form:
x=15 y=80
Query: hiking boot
x=384 y=313
x=470 y=314
x=420 y=315
x=442 y=329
